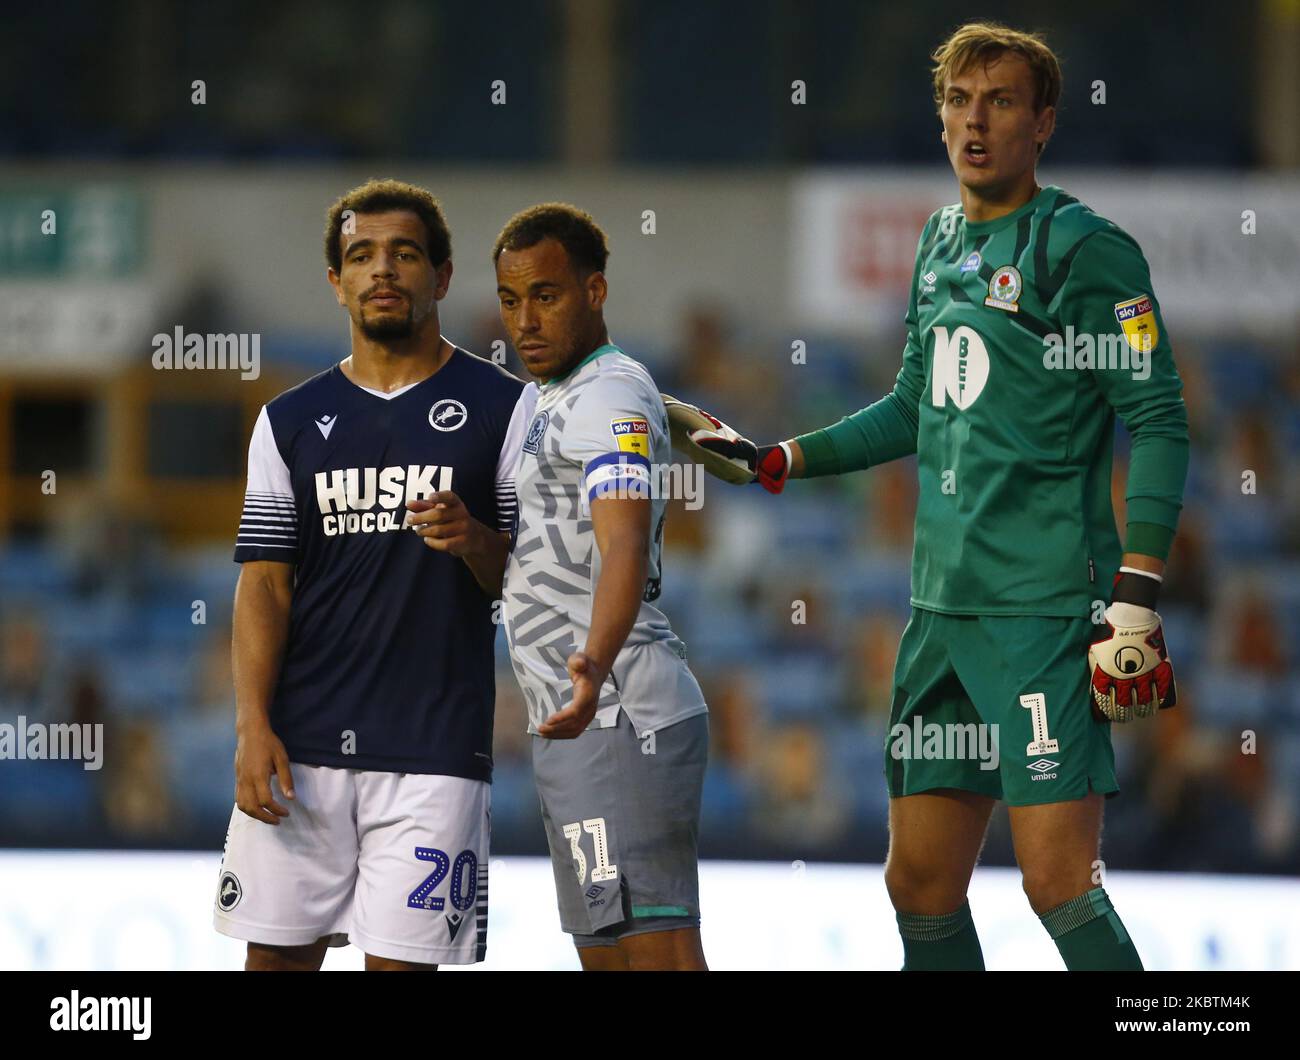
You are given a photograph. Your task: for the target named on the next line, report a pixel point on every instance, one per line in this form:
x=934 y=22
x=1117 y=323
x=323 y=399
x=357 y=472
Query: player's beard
x=388 y=327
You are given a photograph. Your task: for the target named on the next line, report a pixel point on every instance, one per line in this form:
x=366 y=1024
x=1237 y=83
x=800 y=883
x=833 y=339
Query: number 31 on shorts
x=603 y=870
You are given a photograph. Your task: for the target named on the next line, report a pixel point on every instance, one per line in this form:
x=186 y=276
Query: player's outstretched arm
x=260 y=630
x=883 y=431
x=704 y=439
x=621 y=526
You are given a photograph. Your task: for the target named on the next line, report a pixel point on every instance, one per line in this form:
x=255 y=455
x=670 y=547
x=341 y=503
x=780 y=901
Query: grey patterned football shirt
x=601 y=428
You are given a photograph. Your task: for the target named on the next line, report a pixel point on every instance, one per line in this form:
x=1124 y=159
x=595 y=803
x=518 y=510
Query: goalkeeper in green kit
x=1031 y=325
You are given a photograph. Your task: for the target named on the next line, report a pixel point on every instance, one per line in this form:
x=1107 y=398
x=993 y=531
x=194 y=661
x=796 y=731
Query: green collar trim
x=979 y=228
x=599 y=351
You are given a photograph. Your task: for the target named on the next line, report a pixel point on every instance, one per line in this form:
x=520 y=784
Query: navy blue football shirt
x=389 y=662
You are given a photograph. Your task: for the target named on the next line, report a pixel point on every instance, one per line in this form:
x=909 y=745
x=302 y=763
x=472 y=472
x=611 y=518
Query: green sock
x=946 y=943
x=1091 y=936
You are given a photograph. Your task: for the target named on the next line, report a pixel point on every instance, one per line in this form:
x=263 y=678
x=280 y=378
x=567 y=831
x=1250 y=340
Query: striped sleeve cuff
x=507 y=505
x=268 y=527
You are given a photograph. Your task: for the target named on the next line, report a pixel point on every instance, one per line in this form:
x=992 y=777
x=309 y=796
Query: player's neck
x=391 y=366
x=584 y=352
x=988 y=204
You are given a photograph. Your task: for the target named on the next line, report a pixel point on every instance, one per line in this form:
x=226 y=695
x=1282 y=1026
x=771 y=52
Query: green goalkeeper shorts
x=996 y=705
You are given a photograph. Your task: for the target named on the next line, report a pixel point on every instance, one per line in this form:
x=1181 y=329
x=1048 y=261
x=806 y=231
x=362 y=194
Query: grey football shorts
x=622 y=817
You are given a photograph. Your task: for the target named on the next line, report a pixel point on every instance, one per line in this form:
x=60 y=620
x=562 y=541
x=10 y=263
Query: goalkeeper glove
x=1132 y=676
x=724 y=453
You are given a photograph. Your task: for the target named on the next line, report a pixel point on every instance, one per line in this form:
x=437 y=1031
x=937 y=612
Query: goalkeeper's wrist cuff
x=1133 y=586
x=789 y=458
x=772 y=466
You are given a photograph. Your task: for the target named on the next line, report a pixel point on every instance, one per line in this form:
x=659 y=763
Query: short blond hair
x=984 y=43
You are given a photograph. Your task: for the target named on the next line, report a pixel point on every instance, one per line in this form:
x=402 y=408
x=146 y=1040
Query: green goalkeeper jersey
x=1026 y=336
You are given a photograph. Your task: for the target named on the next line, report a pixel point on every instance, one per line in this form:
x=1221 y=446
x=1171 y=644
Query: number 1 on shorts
x=1042 y=744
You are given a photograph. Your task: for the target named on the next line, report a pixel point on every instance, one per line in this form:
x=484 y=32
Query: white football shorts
x=396 y=863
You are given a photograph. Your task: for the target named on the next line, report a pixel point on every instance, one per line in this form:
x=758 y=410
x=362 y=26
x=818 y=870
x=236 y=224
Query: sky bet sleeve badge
x=1138 y=319
x=632 y=436
x=1004 y=289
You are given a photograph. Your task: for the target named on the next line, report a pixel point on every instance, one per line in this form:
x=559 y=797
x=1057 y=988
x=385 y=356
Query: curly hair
x=379 y=196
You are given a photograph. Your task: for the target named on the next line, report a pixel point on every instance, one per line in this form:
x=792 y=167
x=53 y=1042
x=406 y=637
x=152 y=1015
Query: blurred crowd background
x=115 y=587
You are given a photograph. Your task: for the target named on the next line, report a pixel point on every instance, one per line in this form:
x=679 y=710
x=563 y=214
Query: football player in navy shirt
x=374 y=535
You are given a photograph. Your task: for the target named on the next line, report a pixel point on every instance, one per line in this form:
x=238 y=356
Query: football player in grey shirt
x=620 y=727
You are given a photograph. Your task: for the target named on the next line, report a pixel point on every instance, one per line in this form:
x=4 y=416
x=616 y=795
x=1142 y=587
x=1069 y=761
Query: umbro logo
x=595 y=891
x=326 y=423
x=1042 y=765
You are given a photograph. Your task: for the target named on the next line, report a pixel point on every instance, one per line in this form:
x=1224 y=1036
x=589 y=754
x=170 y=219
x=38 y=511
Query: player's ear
x=1046 y=125
x=442 y=283
x=333 y=278
x=597 y=290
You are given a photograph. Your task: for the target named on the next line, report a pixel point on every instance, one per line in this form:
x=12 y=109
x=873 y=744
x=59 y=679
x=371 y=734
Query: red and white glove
x=1131 y=673
x=722 y=451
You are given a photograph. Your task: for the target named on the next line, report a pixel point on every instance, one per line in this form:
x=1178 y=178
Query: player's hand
x=259 y=754
x=445 y=523
x=587 y=679
x=724 y=453
x=766 y=463
x=1131 y=673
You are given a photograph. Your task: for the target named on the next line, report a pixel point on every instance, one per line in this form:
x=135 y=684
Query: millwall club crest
x=536 y=429
x=1004 y=289
x=229 y=892
x=447 y=415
